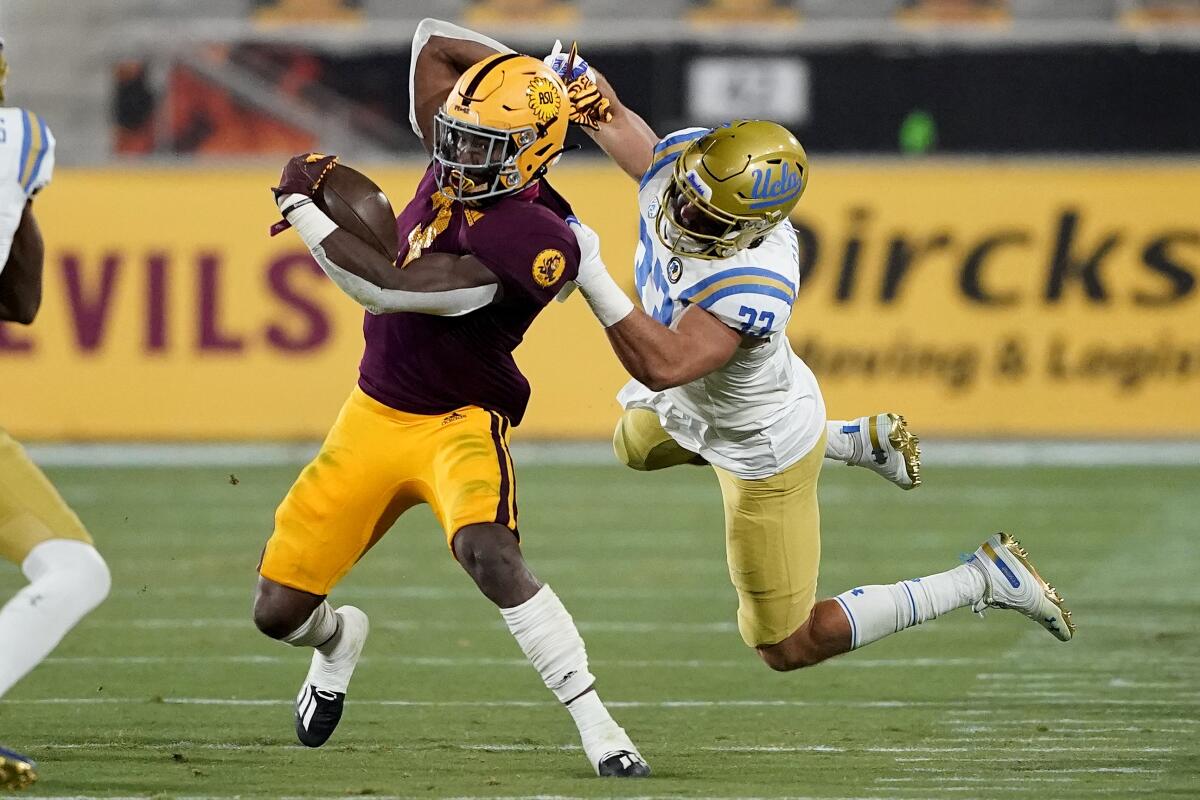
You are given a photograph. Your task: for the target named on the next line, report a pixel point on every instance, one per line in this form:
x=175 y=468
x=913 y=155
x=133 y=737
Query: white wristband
x=608 y=302
x=308 y=220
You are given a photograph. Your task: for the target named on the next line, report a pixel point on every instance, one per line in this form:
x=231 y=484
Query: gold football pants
x=31 y=510
x=375 y=464
x=772 y=528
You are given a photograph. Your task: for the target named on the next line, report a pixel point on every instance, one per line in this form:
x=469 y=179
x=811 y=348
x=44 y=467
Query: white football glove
x=591 y=266
x=557 y=61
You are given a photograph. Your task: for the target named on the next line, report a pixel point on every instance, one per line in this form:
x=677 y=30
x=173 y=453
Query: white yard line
x=748 y=662
x=937 y=452
x=672 y=704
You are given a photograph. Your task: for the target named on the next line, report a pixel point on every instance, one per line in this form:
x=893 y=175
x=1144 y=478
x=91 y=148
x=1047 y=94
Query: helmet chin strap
x=552 y=158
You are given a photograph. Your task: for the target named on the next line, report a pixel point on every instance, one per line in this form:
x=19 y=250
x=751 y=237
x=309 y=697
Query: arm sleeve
x=314 y=226
x=377 y=300
x=534 y=257
x=435 y=27
x=669 y=148
x=754 y=301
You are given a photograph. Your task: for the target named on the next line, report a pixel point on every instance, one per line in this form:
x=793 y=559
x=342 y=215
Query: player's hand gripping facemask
x=589 y=107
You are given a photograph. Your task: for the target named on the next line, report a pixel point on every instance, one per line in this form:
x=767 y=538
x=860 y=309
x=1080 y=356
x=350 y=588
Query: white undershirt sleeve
x=314 y=226
x=436 y=27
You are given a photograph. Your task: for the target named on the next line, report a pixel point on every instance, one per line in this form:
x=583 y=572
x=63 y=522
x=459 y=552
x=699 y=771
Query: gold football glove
x=588 y=106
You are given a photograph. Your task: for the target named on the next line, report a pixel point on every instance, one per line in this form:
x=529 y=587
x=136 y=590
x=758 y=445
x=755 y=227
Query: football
x=358 y=206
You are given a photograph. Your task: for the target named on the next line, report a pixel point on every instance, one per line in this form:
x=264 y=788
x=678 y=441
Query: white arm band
x=436 y=27
x=313 y=226
x=607 y=301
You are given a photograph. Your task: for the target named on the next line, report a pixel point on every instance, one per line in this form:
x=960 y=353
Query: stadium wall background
x=982 y=299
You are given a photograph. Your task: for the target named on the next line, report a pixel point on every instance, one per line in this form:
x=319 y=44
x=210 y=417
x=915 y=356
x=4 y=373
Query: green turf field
x=168 y=690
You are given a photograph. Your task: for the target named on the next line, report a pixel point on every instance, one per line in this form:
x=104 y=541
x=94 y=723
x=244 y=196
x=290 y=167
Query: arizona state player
x=484 y=246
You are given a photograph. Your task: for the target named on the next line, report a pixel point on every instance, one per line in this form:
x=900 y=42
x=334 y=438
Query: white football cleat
x=613 y=755
x=322 y=696
x=884 y=444
x=1012 y=582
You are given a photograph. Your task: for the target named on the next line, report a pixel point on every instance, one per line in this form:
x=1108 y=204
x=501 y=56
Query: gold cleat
x=884 y=444
x=1013 y=582
x=16 y=771
x=908 y=445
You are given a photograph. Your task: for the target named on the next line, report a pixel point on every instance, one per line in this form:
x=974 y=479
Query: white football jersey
x=763 y=411
x=26 y=165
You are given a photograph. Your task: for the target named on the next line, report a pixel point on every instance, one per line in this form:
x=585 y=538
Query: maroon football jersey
x=425 y=364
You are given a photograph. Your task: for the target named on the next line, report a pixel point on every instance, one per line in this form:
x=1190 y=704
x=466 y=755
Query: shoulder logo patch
x=543 y=98
x=674 y=270
x=548 y=267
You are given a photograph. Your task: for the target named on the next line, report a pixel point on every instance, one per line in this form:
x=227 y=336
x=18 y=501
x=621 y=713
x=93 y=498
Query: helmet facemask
x=688 y=225
x=475 y=162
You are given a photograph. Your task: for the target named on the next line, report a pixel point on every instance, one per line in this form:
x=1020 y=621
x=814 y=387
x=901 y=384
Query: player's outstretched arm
x=627 y=138
x=441 y=52
x=655 y=355
x=595 y=106
x=660 y=357
x=21 y=275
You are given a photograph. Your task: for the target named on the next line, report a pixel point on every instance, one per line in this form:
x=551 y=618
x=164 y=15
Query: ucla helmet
x=730 y=187
x=502 y=126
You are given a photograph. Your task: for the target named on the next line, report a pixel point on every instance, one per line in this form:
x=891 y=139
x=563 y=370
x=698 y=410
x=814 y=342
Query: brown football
x=357 y=205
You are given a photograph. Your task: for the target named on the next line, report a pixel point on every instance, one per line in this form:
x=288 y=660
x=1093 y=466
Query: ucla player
x=715 y=380
x=38 y=532
x=484 y=246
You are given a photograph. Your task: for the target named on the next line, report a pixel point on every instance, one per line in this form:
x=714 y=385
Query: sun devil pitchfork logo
x=548 y=267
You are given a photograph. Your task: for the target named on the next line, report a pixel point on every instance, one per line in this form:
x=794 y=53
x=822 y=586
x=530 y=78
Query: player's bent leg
x=543 y=628
x=303 y=619
x=67 y=576
x=67 y=579
x=773 y=546
x=825 y=634
x=998 y=575
x=640 y=443
x=882 y=443
x=491 y=555
x=279 y=610
x=341 y=504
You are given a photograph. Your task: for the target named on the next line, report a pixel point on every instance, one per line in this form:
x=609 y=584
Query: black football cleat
x=16 y=771
x=623 y=764
x=318 y=712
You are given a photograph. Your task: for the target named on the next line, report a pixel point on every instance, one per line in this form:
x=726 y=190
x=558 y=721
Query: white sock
x=881 y=610
x=67 y=579
x=317 y=631
x=549 y=638
x=332 y=665
x=840 y=443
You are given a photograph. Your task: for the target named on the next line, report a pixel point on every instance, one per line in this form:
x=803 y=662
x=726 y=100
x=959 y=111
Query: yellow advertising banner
x=982 y=299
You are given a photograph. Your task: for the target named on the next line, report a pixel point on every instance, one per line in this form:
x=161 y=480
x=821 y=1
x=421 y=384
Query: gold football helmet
x=730 y=187
x=502 y=126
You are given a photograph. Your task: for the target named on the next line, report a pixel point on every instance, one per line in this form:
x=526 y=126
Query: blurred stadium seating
x=235 y=77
